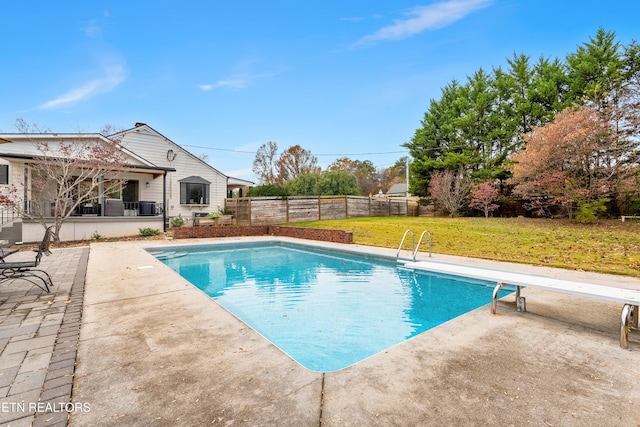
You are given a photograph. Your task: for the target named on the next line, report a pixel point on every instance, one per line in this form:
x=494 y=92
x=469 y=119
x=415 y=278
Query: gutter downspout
x=102 y=198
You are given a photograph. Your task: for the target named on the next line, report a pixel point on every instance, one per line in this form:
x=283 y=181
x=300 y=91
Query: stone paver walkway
x=38 y=341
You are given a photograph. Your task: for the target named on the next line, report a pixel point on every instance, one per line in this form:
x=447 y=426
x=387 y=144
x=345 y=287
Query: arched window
x=194 y=190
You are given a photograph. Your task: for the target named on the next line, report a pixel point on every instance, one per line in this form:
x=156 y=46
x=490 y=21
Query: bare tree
x=109 y=129
x=22 y=126
x=450 y=190
x=65 y=175
x=265 y=163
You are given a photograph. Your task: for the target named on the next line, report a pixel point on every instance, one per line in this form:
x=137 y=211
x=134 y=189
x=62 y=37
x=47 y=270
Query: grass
x=609 y=246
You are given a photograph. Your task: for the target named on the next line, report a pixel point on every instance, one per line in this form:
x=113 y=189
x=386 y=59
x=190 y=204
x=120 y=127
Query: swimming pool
x=325 y=309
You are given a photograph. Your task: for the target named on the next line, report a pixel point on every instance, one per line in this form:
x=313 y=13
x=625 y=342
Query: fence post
x=237 y=210
x=346 y=206
x=250 y=214
x=286 y=208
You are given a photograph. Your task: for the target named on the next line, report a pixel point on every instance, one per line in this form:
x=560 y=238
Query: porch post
x=27 y=207
x=101 y=197
x=164 y=202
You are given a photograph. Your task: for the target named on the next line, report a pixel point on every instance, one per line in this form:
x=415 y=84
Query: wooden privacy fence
x=276 y=210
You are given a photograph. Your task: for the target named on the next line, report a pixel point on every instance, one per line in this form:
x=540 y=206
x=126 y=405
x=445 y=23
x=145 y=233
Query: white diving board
x=630 y=298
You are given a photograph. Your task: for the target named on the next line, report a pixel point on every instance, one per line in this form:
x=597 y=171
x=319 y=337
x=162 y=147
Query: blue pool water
x=325 y=309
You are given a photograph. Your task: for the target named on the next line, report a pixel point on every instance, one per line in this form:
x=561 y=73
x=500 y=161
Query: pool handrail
x=430 y=244
x=402 y=242
x=414 y=248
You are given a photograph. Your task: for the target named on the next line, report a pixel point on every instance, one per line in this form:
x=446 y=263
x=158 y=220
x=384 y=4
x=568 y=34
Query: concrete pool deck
x=155 y=350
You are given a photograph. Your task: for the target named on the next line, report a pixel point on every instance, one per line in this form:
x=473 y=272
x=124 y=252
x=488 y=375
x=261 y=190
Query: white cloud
x=424 y=18
x=238 y=82
x=95 y=27
x=92 y=29
x=233 y=83
x=114 y=75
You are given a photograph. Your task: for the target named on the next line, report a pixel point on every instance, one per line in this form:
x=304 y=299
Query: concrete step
x=11 y=232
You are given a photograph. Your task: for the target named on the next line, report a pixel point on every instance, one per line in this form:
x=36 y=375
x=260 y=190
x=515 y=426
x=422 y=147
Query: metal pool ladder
x=415 y=248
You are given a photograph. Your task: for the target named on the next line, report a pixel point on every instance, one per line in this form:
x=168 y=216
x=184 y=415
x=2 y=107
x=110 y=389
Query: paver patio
x=38 y=341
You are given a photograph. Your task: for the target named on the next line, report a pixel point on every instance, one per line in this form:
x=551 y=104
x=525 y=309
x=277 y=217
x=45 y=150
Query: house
x=398 y=190
x=162 y=181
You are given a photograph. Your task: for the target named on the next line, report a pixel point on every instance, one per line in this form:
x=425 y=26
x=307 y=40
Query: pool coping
x=550 y=365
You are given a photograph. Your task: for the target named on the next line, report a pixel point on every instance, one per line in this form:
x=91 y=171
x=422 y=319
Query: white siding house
x=163 y=181
x=194 y=186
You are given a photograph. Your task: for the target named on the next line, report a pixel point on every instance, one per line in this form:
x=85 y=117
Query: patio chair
x=5 y=252
x=27 y=269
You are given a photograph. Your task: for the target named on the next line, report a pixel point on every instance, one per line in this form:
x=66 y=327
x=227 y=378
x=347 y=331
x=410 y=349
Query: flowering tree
x=65 y=175
x=482 y=197
x=573 y=158
x=450 y=190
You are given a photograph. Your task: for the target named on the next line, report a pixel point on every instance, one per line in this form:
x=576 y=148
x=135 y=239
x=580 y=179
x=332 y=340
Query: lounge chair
x=27 y=269
x=5 y=252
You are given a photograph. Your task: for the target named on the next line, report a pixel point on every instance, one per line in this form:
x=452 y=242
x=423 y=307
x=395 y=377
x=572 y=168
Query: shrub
x=177 y=222
x=267 y=190
x=591 y=211
x=145 y=232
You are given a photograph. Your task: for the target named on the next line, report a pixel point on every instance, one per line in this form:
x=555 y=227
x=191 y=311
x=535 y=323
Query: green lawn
x=609 y=246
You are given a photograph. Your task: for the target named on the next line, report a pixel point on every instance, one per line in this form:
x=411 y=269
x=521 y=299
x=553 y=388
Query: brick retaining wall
x=336 y=236
x=223 y=231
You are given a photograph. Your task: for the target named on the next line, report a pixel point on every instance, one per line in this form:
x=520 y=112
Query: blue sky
x=340 y=78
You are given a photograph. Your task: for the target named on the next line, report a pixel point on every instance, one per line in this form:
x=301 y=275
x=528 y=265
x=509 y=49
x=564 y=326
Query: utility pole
x=407 y=173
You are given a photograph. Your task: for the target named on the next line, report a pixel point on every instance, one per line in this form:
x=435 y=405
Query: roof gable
x=397 y=189
x=22 y=145
x=145 y=129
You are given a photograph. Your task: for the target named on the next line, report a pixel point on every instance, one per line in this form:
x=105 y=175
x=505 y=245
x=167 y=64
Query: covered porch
x=113 y=211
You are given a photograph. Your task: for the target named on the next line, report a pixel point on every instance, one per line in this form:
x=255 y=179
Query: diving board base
x=629 y=298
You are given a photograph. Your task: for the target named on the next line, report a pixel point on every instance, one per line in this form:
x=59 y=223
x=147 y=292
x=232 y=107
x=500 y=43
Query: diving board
x=630 y=298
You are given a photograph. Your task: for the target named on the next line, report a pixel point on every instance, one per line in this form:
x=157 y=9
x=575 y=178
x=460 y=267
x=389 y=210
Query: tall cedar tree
x=478 y=125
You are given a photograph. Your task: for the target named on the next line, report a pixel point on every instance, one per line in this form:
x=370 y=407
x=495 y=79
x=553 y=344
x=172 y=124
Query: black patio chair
x=27 y=269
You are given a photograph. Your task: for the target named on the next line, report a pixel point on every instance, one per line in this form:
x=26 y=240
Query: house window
x=4 y=174
x=113 y=188
x=194 y=190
